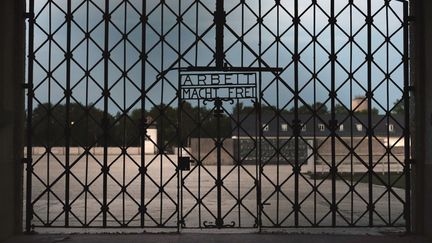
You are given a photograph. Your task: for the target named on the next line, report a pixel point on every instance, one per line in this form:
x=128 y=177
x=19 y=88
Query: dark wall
x=12 y=56
x=421 y=74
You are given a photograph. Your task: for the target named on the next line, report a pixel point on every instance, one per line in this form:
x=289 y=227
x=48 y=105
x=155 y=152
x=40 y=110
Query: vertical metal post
x=218 y=111
x=105 y=167
x=50 y=118
x=179 y=154
x=296 y=124
x=124 y=119
x=332 y=122
x=180 y=220
x=87 y=145
x=257 y=162
x=179 y=132
x=407 y=141
x=351 y=120
x=30 y=94
x=369 y=100
x=163 y=107
x=314 y=117
x=259 y=127
x=388 y=155
x=199 y=129
x=143 y=121
x=68 y=93
x=219 y=19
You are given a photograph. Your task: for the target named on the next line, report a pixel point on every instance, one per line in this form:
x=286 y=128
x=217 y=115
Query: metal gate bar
x=81 y=171
x=407 y=119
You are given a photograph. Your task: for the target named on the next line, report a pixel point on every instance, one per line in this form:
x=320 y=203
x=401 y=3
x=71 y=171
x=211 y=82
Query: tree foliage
x=174 y=126
x=49 y=125
x=86 y=126
x=398 y=107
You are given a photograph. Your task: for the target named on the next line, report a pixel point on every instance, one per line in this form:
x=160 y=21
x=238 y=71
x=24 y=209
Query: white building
x=150 y=141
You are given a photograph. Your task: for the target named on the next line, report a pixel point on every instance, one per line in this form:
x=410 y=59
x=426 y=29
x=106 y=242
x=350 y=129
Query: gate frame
x=29 y=86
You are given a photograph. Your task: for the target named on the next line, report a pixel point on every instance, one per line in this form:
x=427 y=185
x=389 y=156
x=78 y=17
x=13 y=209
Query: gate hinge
x=26 y=86
x=26 y=160
x=28 y=15
x=410 y=162
x=411 y=18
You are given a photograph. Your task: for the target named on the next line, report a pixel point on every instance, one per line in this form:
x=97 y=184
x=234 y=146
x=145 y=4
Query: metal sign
x=222 y=85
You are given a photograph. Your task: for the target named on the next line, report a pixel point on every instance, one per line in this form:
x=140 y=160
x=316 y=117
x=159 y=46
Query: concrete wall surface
x=11 y=115
x=150 y=148
x=421 y=73
x=200 y=148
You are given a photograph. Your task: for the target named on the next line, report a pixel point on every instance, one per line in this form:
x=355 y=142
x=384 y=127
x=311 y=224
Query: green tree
x=399 y=107
x=340 y=109
x=318 y=107
x=374 y=111
x=85 y=123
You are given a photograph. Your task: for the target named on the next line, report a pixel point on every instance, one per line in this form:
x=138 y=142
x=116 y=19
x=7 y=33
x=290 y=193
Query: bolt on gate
x=217 y=114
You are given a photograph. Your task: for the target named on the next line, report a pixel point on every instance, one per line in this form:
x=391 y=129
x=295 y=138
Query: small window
x=359 y=127
x=303 y=127
x=341 y=127
x=284 y=127
x=391 y=128
x=321 y=127
x=265 y=127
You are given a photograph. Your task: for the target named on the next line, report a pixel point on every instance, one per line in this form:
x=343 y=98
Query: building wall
x=359 y=104
x=149 y=145
x=379 y=155
x=421 y=74
x=149 y=148
x=12 y=54
x=320 y=161
x=203 y=146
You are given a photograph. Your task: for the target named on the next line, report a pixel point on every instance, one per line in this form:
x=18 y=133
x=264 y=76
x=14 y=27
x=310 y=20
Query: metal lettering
x=213 y=85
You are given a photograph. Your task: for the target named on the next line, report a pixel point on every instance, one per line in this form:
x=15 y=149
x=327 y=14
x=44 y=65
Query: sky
x=125 y=72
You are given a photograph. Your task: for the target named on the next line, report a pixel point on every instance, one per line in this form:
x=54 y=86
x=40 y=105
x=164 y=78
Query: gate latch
x=184 y=163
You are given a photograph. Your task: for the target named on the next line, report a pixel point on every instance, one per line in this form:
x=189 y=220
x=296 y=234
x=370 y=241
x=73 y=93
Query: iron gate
x=235 y=187
x=117 y=137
